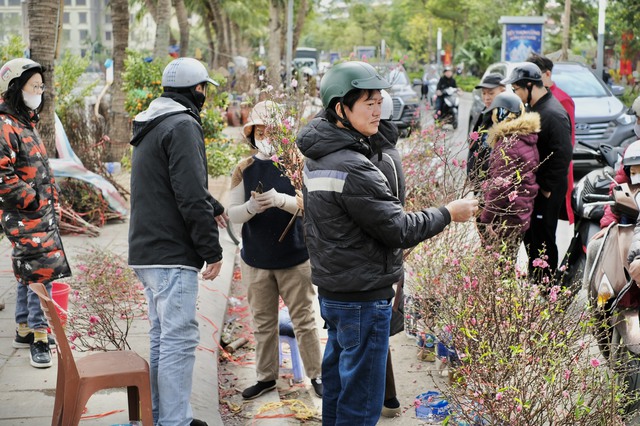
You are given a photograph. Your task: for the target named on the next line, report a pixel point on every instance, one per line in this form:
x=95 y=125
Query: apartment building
x=86 y=25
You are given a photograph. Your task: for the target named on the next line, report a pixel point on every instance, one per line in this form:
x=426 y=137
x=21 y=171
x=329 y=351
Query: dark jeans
x=355 y=359
x=541 y=235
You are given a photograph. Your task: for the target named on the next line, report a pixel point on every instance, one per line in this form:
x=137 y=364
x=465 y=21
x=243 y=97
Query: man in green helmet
x=355 y=230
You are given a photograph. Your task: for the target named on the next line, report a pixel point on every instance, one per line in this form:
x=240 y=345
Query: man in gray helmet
x=554 y=147
x=173 y=231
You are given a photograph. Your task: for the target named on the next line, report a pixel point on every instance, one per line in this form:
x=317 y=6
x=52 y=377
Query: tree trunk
x=119 y=122
x=213 y=59
x=151 y=8
x=43 y=18
x=566 y=21
x=183 y=24
x=217 y=22
x=276 y=12
x=303 y=11
x=160 y=50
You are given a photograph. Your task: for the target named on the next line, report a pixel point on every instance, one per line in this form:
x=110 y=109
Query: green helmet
x=344 y=77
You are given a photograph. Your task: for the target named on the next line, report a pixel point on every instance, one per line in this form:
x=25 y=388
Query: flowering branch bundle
x=105 y=299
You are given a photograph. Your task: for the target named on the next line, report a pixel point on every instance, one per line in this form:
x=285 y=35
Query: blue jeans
x=28 y=310
x=174 y=336
x=355 y=360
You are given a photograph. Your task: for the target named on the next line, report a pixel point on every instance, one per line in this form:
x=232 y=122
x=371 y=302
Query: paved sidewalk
x=27 y=394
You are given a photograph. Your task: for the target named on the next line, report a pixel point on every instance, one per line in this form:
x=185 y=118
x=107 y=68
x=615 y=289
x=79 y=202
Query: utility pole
x=289 y=42
x=602 y=6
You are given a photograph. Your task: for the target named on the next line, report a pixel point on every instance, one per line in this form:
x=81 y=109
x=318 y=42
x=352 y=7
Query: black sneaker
x=40 y=355
x=24 y=342
x=258 y=389
x=196 y=422
x=317 y=386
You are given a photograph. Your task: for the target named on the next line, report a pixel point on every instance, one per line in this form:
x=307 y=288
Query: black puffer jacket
x=354 y=225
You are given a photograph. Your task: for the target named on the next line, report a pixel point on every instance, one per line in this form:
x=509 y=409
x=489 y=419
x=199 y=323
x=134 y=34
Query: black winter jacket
x=172 y=212
x=354 y=225
x=554 y=143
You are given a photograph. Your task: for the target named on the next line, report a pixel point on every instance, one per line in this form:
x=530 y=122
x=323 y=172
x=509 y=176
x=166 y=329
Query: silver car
x=600 y=116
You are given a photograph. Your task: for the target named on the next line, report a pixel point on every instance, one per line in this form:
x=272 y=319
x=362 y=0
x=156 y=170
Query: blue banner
x=522 y=40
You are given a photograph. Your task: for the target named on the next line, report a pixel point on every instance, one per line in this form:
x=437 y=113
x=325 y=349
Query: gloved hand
x=271 y=198
x=634 y=270
x=253 y=206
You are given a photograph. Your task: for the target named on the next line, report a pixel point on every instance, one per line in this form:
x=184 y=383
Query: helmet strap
x=343 y=120
x=529 y=87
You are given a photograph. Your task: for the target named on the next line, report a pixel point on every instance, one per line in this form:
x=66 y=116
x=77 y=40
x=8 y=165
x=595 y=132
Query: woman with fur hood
x=510 y=186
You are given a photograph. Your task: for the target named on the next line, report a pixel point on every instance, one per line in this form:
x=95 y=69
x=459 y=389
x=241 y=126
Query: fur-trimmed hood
x=526 y=124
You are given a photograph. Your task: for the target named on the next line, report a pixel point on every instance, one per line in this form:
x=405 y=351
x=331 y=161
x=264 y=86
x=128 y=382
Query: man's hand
x=634 y=270
x=462 y=210
x=211 y=271
x=222 y=220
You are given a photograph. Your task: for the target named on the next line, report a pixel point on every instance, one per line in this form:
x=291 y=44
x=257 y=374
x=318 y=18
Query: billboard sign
x=521 y=36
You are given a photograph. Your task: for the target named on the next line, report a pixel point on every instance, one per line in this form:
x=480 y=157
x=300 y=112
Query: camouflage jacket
x=27 y=199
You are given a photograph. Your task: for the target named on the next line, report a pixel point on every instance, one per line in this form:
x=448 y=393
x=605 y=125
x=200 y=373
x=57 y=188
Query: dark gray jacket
x=172 y=212
x=354 y=226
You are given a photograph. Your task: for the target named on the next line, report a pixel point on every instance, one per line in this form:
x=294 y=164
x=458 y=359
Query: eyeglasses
x=515 y=88
x=37 y=87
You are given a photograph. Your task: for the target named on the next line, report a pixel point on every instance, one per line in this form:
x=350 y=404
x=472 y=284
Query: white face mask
x=636 y=130
x=265 y=147
x=635 y=178
x=31 y=101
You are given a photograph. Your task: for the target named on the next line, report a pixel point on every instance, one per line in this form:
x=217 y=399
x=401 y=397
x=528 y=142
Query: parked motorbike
x=616 y=297
x=449 y=107
x=588 y=199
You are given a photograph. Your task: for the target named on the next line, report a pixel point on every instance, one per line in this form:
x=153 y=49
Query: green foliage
x=467 y=82
x=142 y=81
x=479 y=52
x=223 y=155
x=13 y=49
x=67 y=91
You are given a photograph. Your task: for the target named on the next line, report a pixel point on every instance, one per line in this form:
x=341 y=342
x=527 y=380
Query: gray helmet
x=344 y=77
x=632 y=155
x=524 y=71
x=185 y=72
x=386 y=112
x=506 y=104
x=14 y=69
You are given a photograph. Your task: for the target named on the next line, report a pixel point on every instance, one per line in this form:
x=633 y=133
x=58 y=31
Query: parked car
x=600 y=116
x=406 y=101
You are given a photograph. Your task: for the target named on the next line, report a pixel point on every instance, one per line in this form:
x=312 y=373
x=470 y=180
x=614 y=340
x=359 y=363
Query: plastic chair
x=286 y=335
x=78 y=380
x=296 y=361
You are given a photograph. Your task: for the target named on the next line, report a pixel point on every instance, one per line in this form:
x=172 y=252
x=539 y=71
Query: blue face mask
x=636 y=129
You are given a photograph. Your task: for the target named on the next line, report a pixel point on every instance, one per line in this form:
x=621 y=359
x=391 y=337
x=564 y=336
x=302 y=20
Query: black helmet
x=506 y=104
x=524 y=71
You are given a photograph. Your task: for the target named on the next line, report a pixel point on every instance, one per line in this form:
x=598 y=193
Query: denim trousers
x=355 y=359
x=172 y=294
x=28 y=309
x=265 y=286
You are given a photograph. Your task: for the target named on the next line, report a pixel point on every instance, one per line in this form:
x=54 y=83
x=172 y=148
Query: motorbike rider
x=634 y=176
x=635 y=110
x=445 y=82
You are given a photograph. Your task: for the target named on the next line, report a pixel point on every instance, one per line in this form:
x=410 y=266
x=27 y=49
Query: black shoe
x=196 y=422
x=258 y=389
x=317 y=386
x=24 y=342
x=40 y=355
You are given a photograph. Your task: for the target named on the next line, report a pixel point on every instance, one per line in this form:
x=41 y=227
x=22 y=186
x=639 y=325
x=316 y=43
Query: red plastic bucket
x=60 y=295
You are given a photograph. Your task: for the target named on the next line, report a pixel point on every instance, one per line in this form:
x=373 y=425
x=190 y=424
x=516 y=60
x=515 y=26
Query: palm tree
x=183 y=23
x=119 y=123
x=43 y=17
x=162 y=18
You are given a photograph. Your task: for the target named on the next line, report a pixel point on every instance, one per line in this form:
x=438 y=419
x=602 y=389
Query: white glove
x=253 y=206
x=271 y=198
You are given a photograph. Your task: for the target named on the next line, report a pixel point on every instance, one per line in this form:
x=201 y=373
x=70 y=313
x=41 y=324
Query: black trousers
x=540 y=238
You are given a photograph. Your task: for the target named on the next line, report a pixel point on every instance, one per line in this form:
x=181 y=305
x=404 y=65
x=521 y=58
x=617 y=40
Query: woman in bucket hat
x=263 y=200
